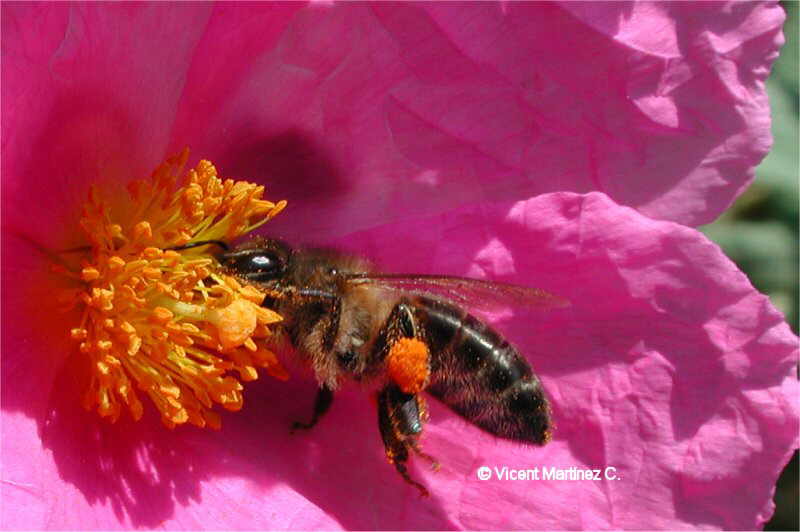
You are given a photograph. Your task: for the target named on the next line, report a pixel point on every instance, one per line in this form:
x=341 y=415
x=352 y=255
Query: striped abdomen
x=479 y=375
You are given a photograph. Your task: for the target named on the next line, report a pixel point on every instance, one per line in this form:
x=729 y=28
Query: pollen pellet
x=235 y=323
x=408 y=364
x=168 y=322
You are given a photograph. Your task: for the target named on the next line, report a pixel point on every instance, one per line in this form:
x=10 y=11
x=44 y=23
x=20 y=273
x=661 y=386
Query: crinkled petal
x=84 y=102
x=391 y=109
x=394 y=109
x=667 y=366
x=365 y=114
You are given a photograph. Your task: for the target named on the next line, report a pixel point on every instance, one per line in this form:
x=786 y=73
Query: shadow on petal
x=145 y=471
x=140 y=472
x=294 y=167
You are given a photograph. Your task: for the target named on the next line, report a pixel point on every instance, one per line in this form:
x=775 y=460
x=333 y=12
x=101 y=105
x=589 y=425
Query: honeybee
x=406 y=334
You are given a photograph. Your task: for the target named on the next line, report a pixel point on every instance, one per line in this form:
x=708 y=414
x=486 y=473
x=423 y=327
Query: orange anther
x=142 y=231
x=90 y=274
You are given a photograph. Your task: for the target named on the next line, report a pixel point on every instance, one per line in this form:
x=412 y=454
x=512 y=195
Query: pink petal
x=414 y=108
x=424 y=106
x=367 y=114
x=87 y=103
x=667 y=366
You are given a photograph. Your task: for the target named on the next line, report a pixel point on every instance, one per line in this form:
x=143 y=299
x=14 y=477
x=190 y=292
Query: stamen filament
x=169 y=322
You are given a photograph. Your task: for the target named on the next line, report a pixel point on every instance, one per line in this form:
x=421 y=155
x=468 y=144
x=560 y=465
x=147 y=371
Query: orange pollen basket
x=170 y=324
x=408 y=364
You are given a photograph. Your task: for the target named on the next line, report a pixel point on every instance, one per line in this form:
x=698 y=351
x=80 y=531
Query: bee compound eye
x=256 y=265
x=263 y=263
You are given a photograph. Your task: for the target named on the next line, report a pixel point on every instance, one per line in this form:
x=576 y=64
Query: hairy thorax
x=336 y=341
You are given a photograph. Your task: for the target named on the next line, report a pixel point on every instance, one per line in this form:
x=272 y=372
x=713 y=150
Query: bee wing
x=471 y=293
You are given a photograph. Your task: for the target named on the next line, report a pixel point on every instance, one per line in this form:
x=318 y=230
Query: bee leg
x=400 y=424
x=422 y=413
x=321 y=405
x=435 y=465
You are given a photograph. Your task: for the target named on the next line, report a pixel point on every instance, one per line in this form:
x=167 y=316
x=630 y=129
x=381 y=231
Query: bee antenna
x=199 y=243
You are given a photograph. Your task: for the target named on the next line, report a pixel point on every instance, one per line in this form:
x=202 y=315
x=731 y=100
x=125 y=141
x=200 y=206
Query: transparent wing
x=470 y=293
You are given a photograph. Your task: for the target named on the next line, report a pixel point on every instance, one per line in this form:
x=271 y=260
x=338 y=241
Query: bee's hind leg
x=321 y=405
x=422 y=413
x=400 y=420
x=435 y=465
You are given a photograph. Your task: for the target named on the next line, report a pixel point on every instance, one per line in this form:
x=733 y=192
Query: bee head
x=259 y=260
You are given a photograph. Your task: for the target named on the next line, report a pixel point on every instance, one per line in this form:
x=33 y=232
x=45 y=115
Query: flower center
x=169 y=323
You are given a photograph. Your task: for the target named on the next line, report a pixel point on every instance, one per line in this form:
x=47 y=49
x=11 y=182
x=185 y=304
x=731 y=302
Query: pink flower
x=549 y=145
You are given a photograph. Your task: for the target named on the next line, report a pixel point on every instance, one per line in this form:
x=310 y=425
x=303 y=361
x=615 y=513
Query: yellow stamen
x=169 y=323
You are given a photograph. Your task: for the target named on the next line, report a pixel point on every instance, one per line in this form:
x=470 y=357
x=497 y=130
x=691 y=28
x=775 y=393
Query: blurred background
x=760 y=231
